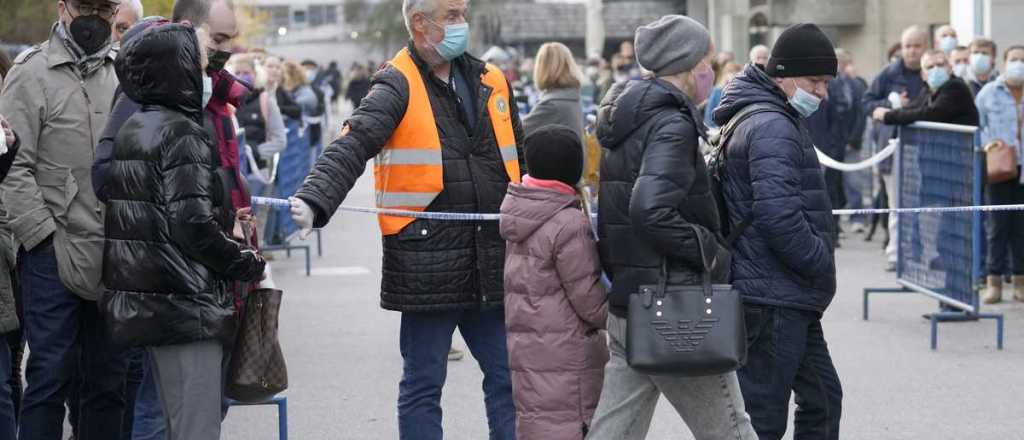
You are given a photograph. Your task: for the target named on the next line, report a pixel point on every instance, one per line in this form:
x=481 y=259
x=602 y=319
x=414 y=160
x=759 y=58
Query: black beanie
x=802 y=50
x=554 y=152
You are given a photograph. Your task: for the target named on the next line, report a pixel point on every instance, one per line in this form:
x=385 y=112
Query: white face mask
x=960 y=70
x=207 y=89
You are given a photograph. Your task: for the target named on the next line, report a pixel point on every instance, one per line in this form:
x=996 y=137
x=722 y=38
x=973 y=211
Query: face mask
x=937 y=77
x=1015 y=71
x=703 y=82
x=592 y=72
x=981 y=63
x=455 y=42
x=90 y=32
x=805 y=103
x=310 y=75
x=217 y=59
x=960 y=70
x=207 y=90
x=947 y=44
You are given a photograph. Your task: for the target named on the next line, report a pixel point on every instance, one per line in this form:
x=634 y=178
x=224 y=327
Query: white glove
x=302 y=215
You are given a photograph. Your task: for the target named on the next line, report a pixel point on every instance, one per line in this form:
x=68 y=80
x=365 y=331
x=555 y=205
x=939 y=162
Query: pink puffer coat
x=555 y=307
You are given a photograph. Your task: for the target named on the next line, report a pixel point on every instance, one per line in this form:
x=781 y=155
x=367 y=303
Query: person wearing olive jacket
x=57 y=97
x=445 y=137
x=168 y=259
x=8 y=312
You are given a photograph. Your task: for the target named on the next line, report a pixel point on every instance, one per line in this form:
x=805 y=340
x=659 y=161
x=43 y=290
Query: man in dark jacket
x=783 y=263
x=898 y=83
x=947 y=99
x=449 y=115
x=168 y=260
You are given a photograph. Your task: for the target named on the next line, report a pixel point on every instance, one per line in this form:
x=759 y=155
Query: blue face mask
x=805 y=103
x=981 y=63
x=1015 y=71
x=455 y=42
x=947 y=44
x=937 y=77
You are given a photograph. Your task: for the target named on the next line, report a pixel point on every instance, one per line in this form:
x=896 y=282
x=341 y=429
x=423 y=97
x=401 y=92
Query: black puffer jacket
x=773 y=177
x=167 y=259
x=429 y=265
x=655 y=191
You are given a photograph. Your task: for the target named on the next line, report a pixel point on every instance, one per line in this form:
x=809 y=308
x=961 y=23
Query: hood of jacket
x=751 y=86
x=629 y=105
x=161 y=67
x=526 y=209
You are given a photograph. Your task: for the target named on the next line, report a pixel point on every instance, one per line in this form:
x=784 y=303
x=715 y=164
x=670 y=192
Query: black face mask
x=90 y=32
x=216 y=60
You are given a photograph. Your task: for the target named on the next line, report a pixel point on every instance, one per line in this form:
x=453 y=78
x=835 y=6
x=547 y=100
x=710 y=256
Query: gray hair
x=410 y=7
x=136 y=6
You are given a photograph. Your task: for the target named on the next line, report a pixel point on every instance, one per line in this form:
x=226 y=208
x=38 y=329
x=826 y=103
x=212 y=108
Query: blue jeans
x=65 y=335
x=149 y=423
x=7 y=425
x=787 y=355
x=425 y=340
x=133 y=379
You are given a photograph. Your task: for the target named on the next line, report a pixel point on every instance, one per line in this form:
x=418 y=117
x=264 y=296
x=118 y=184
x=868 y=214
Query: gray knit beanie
x=672 y=44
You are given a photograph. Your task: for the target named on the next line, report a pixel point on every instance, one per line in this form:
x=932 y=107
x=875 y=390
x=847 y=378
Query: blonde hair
x=294 y=76
x=556 y=68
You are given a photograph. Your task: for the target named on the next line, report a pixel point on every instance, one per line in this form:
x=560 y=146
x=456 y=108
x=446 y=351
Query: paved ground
x=344 y=364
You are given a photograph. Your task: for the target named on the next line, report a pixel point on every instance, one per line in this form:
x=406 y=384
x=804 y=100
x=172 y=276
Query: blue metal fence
x=936 y=255
x=940 y=254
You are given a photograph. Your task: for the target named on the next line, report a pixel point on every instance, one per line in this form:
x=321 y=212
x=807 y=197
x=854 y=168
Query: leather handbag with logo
x=1001 y=162
x=257 y=370
x=686 y=330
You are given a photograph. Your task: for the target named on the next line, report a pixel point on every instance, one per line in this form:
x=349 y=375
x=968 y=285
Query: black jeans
x=66 y=336
x=1006 y=230
x=788 y=355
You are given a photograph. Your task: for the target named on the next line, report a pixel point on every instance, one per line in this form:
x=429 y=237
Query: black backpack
x=717 y=167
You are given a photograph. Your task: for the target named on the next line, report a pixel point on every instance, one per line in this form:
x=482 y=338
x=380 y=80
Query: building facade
x=315 y=30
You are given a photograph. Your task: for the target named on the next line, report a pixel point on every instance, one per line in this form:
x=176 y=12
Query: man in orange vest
x=444 y=135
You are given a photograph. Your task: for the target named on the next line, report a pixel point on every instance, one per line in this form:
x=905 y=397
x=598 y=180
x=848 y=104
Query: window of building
x=320 y=15
x=279 y=16
x=299 y=17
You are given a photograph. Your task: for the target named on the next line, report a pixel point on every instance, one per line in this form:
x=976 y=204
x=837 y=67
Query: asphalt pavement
x=344 y=364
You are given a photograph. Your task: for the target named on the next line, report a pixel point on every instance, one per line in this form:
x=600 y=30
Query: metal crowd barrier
x=940 y=254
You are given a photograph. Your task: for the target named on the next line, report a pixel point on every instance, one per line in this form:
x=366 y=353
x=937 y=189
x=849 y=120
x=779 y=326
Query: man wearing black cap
x=783 y=263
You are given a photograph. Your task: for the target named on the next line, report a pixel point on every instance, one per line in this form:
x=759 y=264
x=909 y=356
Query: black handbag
x=686 y=330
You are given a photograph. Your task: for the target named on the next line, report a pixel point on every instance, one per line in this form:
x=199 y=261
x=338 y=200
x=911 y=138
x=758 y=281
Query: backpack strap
x=726 y=136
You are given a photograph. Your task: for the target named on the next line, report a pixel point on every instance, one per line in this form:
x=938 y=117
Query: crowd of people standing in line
x=132 y=253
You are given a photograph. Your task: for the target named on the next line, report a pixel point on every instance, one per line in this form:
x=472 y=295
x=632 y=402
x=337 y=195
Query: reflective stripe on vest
x=409 y=171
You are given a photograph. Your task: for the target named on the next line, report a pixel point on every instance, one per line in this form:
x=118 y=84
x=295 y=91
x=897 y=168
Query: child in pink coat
x=555 y=304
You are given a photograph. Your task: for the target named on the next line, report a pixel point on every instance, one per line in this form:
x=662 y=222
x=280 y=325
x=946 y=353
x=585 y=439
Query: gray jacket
x=8 y=314
x=556 y=106
x=58 y=115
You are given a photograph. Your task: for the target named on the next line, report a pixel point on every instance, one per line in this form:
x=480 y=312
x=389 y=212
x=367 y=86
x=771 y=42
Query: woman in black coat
x=169 y=258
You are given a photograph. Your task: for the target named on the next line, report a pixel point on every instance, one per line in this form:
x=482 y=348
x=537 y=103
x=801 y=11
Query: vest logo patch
x=502 y=105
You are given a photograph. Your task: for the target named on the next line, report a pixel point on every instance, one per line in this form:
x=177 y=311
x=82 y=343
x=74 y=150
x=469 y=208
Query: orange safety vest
x=409 y=171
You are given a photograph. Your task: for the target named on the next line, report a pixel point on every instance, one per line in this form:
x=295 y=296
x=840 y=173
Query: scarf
x=86 y=64
x=553 y=185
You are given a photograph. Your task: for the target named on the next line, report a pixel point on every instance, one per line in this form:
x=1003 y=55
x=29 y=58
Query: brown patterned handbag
x=257 y=370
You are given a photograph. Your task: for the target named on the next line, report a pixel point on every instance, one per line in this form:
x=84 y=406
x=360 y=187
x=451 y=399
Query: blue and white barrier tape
x=447 y=216
x=459 y=216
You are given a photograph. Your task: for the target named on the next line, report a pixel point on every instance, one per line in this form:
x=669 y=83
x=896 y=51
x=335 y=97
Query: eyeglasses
x=105 y=11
